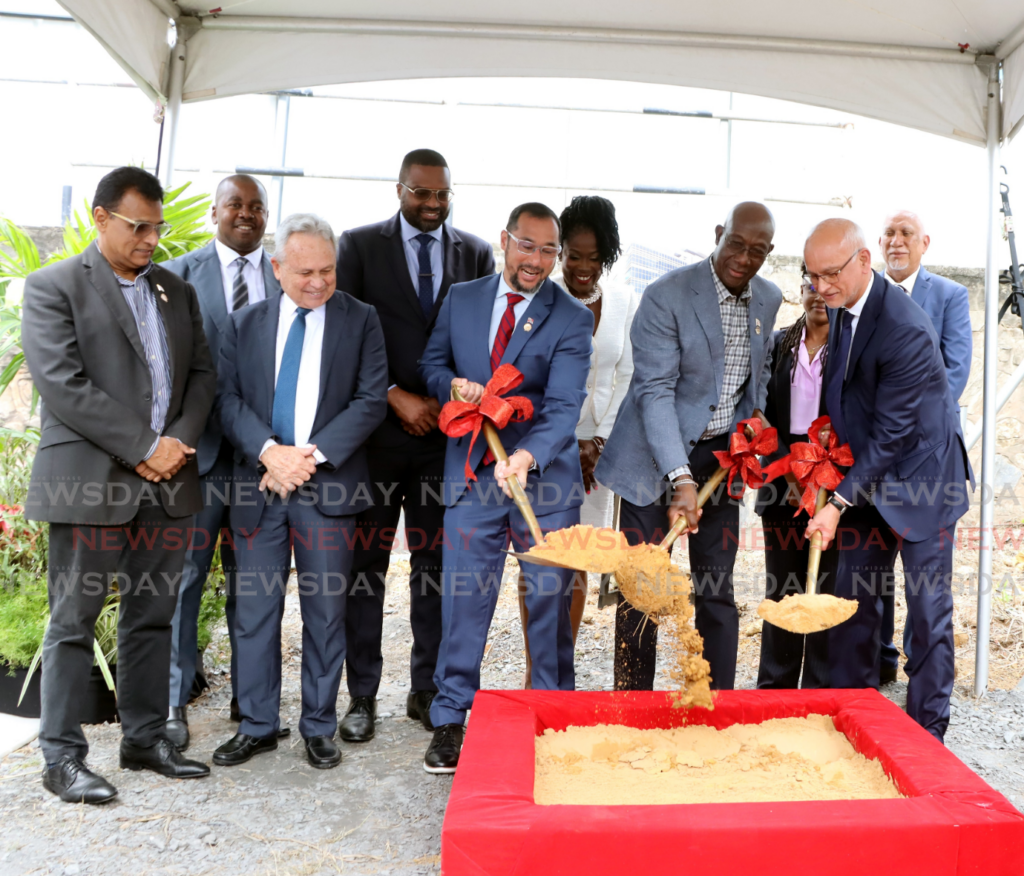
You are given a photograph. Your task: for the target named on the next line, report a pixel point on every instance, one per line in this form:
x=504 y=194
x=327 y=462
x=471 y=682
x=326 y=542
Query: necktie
x=501 y=339
x=904 y=288
x=426 y=275
x=240 y=291
x=282 y=419
x=837 y=360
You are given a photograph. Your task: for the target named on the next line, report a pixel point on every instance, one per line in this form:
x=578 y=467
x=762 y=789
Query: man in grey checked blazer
x=702 y=358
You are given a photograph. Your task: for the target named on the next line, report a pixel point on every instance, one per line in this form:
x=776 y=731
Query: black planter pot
x=100 y=703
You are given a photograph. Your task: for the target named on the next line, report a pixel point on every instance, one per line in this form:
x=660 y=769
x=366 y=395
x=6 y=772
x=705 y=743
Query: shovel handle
x=518 y=493
x=814 y=554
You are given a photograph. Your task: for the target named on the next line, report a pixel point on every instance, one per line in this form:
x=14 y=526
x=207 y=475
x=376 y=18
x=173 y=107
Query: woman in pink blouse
x=794 y=402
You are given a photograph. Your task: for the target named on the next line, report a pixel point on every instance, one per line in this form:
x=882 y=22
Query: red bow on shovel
x=742 y=456
x=459 y=417
x=813 y=465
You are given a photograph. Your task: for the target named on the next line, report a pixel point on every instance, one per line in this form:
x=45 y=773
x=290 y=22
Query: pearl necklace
x=591 y=299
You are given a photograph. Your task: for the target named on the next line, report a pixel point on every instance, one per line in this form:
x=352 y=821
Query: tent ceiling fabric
x=901 y=65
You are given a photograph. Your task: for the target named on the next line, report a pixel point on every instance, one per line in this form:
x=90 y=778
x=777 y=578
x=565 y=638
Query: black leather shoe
x=163 y=758
x=443 y=754
x=73 y=782
x=360 y=721
x=241 y=747
x=236 y=716
x=176 y=728
x=417 y=706
x=322 y=753
x=888 y=674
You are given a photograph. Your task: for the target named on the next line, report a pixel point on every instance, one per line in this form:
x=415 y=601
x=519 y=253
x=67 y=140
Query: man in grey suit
x=702 y=358
x=903 y=242
x=116 y=349
x=230 y=273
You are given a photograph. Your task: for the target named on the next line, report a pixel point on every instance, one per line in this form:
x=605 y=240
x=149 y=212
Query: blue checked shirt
x=142 y=302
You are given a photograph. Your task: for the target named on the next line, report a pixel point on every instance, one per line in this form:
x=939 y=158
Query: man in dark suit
x=702 y=341
x=887 y=396
x=230 y=273
x=904 y=243
x=404 y=267
x=116 y=349
x=518 y=317
x=302 y=384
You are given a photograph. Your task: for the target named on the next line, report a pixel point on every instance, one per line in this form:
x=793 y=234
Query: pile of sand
x=807 y=613
x=583 y=547
x=781 y=759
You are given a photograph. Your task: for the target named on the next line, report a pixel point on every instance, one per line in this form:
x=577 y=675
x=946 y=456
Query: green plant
x=24 y=613
x=211 y=607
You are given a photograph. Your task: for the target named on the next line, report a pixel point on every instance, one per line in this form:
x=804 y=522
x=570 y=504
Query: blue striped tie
x=283 y=417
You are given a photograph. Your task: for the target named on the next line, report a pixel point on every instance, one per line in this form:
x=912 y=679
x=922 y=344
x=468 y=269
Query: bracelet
x=599 y=442
x=684 y=481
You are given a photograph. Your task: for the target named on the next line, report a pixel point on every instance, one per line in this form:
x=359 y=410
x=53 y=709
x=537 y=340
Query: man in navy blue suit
x=904 y=243
x=230 y=273
x=887 y=396
x=518 y=317
x=302 y=383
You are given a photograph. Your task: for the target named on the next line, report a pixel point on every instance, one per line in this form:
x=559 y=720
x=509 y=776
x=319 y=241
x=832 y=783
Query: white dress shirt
x=501 y=302
x=252 y=271
x=412 y=254
x=858 y=308
x=307 y=393
x=908 y=284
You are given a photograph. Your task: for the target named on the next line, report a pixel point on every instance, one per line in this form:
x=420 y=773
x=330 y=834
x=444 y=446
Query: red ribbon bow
x=459 y=417
x=813 y=465
x=743 y=452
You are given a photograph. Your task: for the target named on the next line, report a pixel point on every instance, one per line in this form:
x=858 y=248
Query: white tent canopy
x=949 y=67
x=900 y=63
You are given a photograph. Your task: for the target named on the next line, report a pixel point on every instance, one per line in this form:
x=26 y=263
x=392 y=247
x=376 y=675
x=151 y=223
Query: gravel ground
x=379 y=812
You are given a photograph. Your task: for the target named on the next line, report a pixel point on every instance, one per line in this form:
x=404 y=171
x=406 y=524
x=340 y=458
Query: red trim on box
x=952 y=822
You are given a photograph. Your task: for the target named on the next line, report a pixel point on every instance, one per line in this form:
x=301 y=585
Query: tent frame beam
x=360 y=26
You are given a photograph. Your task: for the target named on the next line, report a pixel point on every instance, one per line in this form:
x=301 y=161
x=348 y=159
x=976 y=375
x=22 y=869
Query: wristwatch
x=838 y=504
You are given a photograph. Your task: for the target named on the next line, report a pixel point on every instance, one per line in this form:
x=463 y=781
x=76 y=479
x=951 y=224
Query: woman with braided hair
x=794 y=402
x=590 y=247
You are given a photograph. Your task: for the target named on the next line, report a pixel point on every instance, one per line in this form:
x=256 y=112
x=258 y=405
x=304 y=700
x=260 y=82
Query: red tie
x=501 y=339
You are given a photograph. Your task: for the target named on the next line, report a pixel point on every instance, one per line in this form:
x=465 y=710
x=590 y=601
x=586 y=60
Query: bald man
x=230 y=273
x=887 y=396
x=702 y=340
x=903 y=243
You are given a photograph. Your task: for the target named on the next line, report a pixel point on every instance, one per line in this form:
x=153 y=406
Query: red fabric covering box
x=952 y=822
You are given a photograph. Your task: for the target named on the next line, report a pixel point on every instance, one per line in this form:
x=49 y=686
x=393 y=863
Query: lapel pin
x=757 y=326
x=159 y=288
x=529 y=325
x=163 y=297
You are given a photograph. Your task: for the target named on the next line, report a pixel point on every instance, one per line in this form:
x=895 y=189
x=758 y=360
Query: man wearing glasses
x=887 y=396
x=702 y=341
x=404 y=267
x=116 y=349
x=522 y=318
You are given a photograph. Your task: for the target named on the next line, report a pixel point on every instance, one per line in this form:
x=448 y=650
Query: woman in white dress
x=590 y=246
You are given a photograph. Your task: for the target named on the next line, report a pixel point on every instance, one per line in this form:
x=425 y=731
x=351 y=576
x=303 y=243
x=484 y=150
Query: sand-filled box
x=779 y=759
x=945 y=819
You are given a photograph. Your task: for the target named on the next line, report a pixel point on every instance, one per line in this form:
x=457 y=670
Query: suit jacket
x=83 y=348
x=900 y=419
x=948 y=307
x=678 y=369
x=373 y=268
x=202 y=269
x=554 y=358
x=353 y=396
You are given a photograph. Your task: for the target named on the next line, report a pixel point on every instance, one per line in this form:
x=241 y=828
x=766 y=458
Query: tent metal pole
x=177 y=80
x=988 y=439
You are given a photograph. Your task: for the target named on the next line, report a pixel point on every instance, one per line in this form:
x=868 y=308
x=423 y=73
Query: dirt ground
x=379 y=813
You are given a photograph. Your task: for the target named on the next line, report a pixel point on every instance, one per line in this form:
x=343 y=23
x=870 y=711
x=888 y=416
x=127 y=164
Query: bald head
x=904 y=242
x=742 y=244
x=240 y=213
x=838 y=261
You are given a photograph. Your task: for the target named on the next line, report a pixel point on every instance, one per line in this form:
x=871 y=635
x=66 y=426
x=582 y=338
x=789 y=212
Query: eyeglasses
x=528 y=247
x=829 y=277
x=144 y=229
x=737 y=248
x=443 y=195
